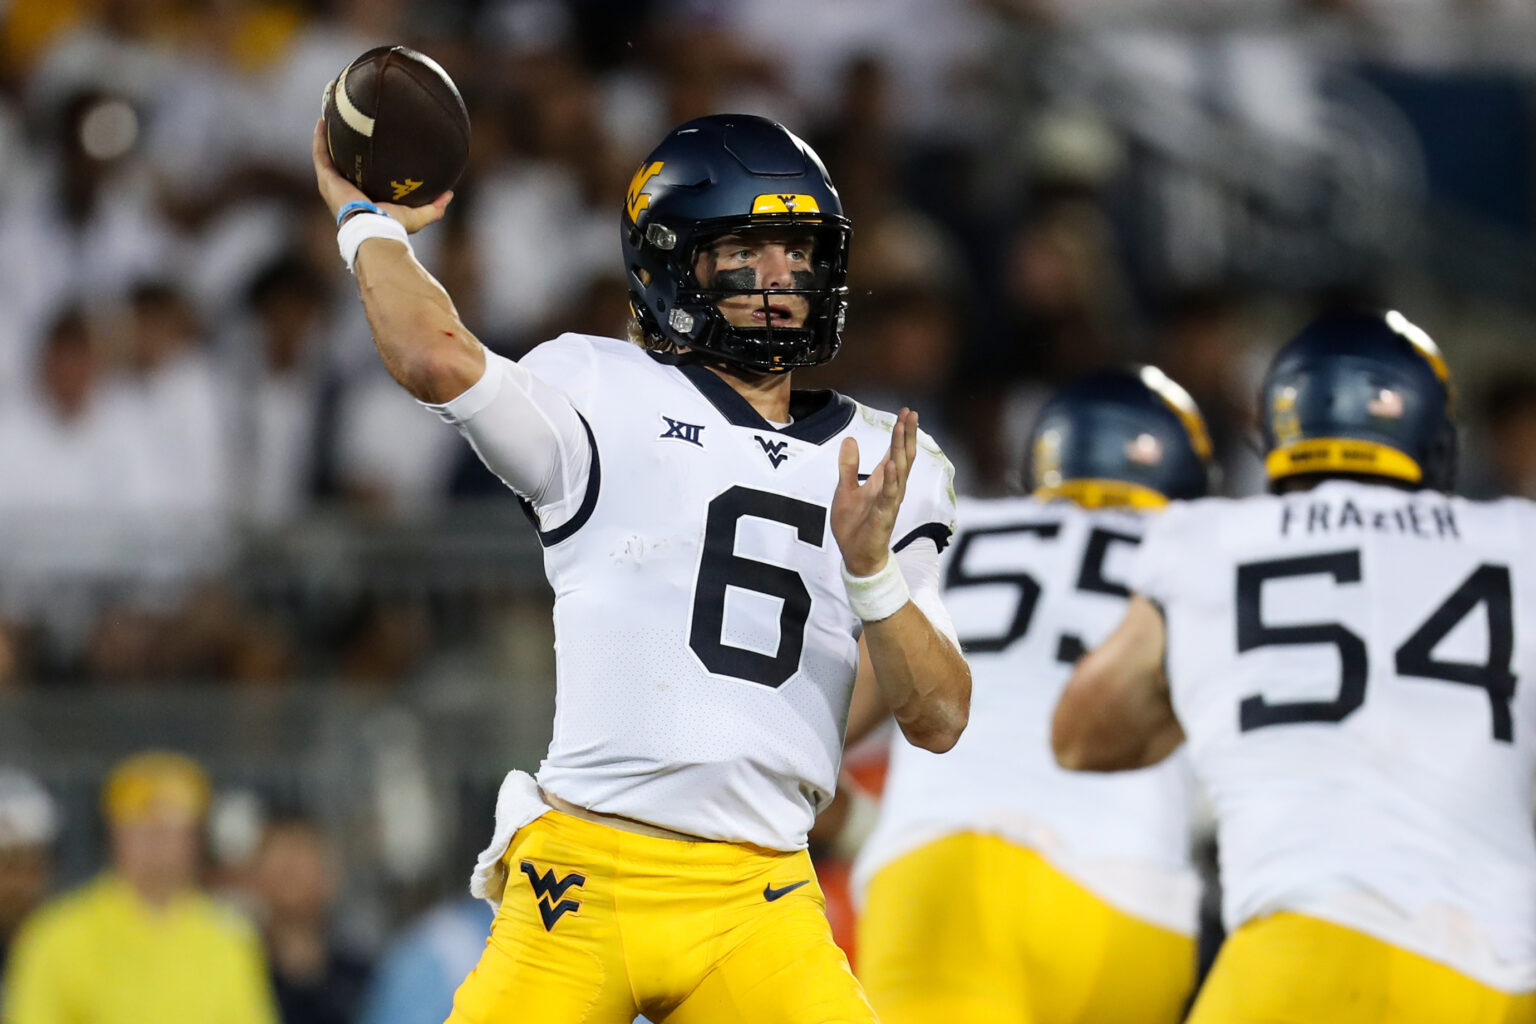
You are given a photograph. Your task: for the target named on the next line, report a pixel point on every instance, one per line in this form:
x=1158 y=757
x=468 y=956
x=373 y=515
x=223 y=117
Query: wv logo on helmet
x=636 y=199
x=549 y=892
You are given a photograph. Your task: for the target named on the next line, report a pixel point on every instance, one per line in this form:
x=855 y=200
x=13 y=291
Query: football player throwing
x=721 y=548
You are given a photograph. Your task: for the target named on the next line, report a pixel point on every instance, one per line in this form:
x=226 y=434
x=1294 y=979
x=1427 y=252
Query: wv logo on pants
x=549 y=891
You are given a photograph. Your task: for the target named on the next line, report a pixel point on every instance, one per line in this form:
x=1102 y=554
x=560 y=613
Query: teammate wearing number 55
x=1343 y=658
x=997 y=887
x=722 y=549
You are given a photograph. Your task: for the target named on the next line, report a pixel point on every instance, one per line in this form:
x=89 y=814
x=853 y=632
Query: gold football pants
x=974 y=929
x=598 y=924
x=1294 y=969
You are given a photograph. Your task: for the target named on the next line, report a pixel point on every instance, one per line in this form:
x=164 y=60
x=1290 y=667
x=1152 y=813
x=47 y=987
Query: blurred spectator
x=274 y=401
x=122 y=47
x=29 y=823
x=392 y=456
x=926 y=44
x=237 y=820
x=1065 y=311
x=902 y=348
x=415 y=982
x=382 y=642
x=64 y=451
x=205 y=142
x=544 y=220
x=1204 y=344
x=117 y=489
x=141 y=942
x=84 y=230
x=294 y=882
x=602 y=308
x=1065 y=295
x=172 y=385
x=705 y=67
x=207 y=635
x=77 y=473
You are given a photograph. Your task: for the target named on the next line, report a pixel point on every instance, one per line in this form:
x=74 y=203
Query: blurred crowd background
x=225 y=531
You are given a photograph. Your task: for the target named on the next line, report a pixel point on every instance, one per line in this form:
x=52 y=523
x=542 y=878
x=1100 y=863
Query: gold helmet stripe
x=784 y=202
x=1182 y=406
x=1422 y=343
x=1094 y=493
x=1341 y=455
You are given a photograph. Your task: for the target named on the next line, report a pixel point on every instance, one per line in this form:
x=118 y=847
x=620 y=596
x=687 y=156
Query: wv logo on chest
x=773 y=449
x=548 y=891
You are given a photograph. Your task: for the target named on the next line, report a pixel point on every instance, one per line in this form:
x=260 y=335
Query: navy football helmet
x=1120 y=437
x=728 y=174
x=1360 y=394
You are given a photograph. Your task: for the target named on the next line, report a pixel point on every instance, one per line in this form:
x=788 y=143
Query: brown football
x=396 y=126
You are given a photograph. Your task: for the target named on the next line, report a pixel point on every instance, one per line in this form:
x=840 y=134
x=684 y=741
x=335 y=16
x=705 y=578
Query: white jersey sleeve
x=919 y=564
x=931 y=494
x=1160 y=558
x=520 y=419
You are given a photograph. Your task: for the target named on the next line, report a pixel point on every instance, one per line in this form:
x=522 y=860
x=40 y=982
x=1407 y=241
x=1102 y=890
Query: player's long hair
x=651 y=342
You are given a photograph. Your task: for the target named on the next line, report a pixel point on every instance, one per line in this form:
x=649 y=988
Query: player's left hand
x=863 y=515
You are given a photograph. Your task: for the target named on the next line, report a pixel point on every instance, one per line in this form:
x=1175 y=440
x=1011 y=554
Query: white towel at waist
x=517 y=803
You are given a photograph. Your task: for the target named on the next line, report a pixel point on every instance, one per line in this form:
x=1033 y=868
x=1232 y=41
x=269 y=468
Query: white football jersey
x=705 y=649
x=1359 y=698
x=1031 y=585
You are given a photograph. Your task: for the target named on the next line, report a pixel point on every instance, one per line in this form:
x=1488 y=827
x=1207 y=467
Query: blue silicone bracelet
x=356 y=206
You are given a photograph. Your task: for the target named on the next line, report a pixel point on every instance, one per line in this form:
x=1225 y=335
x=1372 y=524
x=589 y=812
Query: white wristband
x=877 y=597
x=363 y=226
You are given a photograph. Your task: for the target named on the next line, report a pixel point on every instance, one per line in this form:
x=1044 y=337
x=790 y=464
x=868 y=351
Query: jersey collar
x=819 y=415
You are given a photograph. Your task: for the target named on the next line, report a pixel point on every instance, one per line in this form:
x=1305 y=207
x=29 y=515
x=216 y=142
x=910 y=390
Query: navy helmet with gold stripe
x=1360 y=393
x=728 y=174
x=1128 y=437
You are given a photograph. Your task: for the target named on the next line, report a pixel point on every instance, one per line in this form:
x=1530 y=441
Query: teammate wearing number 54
x=1349 y=660
x=722 y=549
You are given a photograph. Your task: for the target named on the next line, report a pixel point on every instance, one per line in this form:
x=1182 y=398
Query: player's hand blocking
x=863 y=515
x=338 y=191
